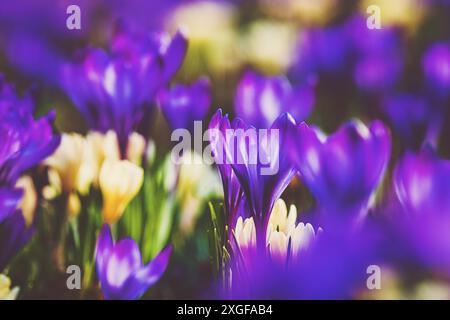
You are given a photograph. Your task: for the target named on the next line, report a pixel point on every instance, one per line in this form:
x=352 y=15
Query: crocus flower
x=377 y=54
x=284 y=238
x=69 y=165
x=120 y=181
x=322 y=51
x=182 y=105
x=6 y=293
x=17 y=225
x=378 y=73
x=197 y=182
x=120 y=270
x=342 y=170
x=14 y=234
x=25 y=141
x=422 y=183
x=116 y=90
x=436 y=67
x=260 y=100
x=257 y=160
x=334 y=267
x=409 y=113
x=231 y=188
x=9 y=200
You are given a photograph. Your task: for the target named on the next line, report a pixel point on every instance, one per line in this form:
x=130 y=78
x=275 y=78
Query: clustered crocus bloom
x=372 y=57
x=116 y=90
x=257 y=160
x=77 y=163
x=285 y=237
x=120 y=270
x=25 y=143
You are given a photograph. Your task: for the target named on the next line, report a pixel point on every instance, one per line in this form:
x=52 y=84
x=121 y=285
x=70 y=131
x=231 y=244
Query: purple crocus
x=116 y=89
x=344 y=169
x=184 y=104
x=260 y=100
x=378 y=73
x=409 y=114
x=422 y=183
x=257 y=159
x=25 y=141
x=119 y=267
x=14 y=234
x=231 y=188
x=322 y=51
x=334 y=268
x=9 y=200
x=436 y=67
x=377 y=55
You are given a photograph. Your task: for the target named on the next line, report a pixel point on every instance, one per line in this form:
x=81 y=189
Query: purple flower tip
x=120 y=270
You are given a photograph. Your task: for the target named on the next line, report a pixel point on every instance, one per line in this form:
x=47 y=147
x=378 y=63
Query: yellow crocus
x=29 y=199
x=66 y=165
x=120 y=181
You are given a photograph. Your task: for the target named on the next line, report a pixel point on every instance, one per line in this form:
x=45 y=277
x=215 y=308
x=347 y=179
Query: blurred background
x=324 y=44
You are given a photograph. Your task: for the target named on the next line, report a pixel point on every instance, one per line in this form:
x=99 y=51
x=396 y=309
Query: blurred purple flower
x=377 y=54
x=365 y=41
x=14 y=233
x=378 y=73
x=119 y=267
x=260 y=100
x=258 y=161
x=436 y=67
x=25 y=141
x=117 y=90
x=334 y=268
x=422 y=183
x=342 y=170
x=182 y=105
x=409 y=114
x=322 y=51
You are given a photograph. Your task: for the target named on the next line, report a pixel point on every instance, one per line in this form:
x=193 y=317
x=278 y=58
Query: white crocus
x=6 y=293
x=282 y=232
x=283 y=229
x=245 y=233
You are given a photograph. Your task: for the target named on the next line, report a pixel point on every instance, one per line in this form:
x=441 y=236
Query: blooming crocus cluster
x=285 y=237
x=373 y=57
x=115 y=90
x=25 y=143
x=257 y=162
x=120 y=270
x=81 y=162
